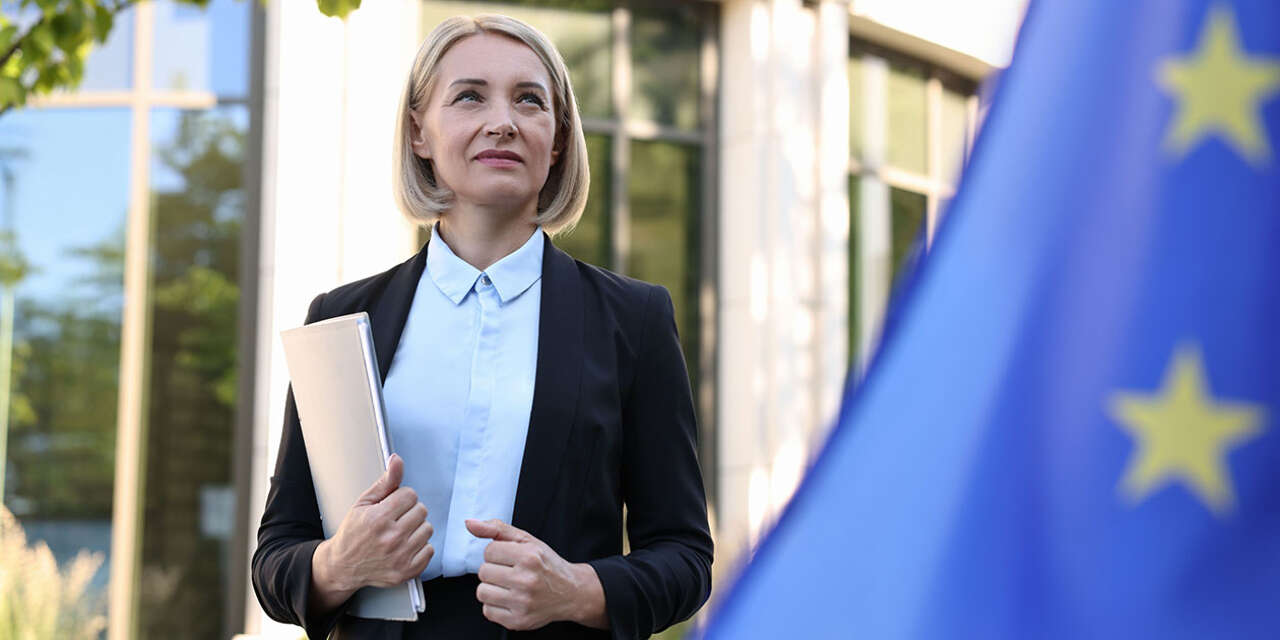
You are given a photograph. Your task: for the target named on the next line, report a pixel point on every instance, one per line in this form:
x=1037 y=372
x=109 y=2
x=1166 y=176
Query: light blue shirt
x=459 y=392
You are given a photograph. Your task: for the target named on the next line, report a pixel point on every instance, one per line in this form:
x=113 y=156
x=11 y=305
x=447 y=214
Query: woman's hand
x=525 y=585
x=382 y=541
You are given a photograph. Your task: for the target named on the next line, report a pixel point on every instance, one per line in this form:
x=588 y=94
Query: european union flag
x=1072 y=429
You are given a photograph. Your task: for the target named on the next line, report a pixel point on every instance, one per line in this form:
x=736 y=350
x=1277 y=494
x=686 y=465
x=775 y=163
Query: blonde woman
x=530 y=396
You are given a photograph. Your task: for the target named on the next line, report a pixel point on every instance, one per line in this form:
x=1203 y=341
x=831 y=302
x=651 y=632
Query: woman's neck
x=482 y=236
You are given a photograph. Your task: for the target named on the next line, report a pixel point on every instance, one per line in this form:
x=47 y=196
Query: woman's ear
x=421 y=146
x=555 y=156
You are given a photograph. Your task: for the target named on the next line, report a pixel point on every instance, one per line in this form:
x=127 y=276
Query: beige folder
x=336 y=386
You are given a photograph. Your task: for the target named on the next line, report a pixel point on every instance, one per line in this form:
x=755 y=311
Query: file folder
x=338 y=392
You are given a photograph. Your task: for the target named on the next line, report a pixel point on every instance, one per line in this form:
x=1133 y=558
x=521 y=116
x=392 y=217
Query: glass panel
x=907 y=209
x=202 y=49
x=198 y=207
x=664 y=192
x=954 y=133
x=665 y=47
x=856 y=106
x=110 y=64
x=61 y=303
x=907 y=123
x=583 y=38
x=590 y=240
x=855 y=274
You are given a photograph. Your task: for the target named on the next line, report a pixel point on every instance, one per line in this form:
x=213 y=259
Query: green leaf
x=6 y=36
x=68 y=30
x=75 y=67
x=11 y=92
x=102 y=21
x=41 y=38
x=337 y=8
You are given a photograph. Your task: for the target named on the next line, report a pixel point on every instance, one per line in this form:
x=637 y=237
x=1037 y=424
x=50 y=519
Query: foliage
x=43 y=47
x=37 y=600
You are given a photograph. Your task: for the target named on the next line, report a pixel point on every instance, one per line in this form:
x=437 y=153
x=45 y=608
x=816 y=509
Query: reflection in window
x=109 y=66
x=664 y=192
x=590 y=240
x=582 y=36
x=908 y=123
x=202 y=49
x=907 y=215
x=664 y=56
x=857 y=107
x=63 y=253
x=198 y=208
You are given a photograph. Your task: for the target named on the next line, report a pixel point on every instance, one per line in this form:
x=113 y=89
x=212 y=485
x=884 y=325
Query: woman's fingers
x=420 y=534
x=504 y=553
x=411 y=520
x=494 y=595
x=499 y=575
x=395 y=505
x=420 y=560
x=497 y=614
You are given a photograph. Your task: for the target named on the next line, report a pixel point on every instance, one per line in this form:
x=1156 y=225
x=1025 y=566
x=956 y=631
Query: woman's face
x=488 y=126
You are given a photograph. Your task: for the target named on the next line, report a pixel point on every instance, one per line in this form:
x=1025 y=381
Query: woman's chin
x=498 y=198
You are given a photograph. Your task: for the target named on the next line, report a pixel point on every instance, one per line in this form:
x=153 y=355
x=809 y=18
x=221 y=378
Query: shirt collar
x=511 y=276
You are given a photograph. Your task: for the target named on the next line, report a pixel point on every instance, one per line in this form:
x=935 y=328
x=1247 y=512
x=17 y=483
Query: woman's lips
x=499 y=159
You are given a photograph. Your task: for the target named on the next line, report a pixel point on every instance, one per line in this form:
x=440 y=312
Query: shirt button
x=484 y=279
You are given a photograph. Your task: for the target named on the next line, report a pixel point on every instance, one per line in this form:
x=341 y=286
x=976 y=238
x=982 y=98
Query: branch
x=17 y=42
x=114 y=8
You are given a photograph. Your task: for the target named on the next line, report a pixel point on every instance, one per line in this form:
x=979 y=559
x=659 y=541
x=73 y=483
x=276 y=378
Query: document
x=338 y=392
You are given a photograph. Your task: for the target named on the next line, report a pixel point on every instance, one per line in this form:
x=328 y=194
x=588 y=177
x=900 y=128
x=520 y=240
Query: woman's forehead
x=493 y=58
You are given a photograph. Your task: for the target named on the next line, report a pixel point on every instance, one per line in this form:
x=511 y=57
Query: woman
x=530 y=396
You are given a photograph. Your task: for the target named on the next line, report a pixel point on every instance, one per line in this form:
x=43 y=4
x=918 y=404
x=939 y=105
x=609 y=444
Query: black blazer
x=612 y=424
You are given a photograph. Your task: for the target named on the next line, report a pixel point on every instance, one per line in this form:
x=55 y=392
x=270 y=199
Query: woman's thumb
x=386 y=483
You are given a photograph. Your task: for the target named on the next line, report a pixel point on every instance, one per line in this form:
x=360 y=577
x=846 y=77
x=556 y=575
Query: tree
x=43 y=47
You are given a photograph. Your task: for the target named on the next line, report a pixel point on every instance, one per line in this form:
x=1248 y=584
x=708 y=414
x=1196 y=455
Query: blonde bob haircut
x=563 y=196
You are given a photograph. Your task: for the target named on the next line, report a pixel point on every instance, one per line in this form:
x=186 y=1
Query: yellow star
x=1182 y=433
x=1220 y=90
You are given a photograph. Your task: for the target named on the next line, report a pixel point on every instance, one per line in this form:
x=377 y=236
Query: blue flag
x=1072 y=429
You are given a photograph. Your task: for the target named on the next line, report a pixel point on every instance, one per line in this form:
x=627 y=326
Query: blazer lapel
x=555 y=387
x=390 y=311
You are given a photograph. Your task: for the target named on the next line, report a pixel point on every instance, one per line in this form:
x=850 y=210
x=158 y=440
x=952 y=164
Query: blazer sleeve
x=290 y=529
x=667 y=575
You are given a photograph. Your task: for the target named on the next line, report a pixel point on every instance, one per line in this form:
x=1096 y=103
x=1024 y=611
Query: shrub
x=37 y=600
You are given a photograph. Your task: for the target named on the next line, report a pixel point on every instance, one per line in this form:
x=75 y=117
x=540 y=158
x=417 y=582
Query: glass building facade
x=123 y=202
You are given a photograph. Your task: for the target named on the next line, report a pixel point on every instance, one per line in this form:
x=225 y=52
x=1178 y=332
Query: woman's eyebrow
x=527 y=84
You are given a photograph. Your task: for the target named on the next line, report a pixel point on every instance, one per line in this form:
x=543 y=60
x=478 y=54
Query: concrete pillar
x=783 y=252
x=329 y=105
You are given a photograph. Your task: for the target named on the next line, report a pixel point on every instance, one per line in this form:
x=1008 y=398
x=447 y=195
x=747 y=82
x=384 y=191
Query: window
x=122 y=214
x=910 y=129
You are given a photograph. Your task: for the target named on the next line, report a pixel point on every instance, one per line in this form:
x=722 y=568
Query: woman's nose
x=502 y=127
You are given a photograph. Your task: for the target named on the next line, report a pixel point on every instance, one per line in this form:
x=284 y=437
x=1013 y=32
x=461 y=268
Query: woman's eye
x=531 y=98
x=467 y=96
